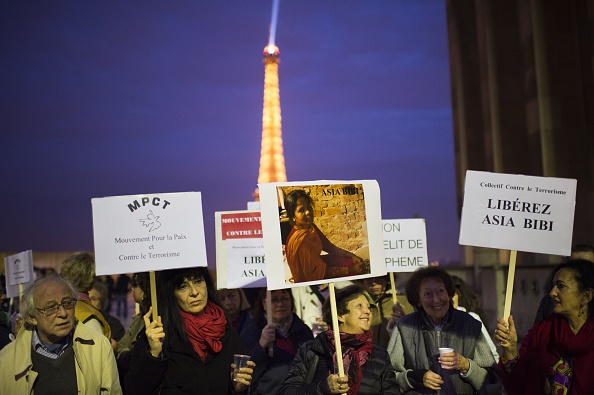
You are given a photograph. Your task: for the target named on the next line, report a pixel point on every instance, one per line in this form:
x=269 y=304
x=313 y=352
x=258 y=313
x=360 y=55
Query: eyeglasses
x=53 y=310
x=279 y=300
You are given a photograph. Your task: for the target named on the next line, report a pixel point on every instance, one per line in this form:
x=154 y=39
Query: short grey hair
x=28 y=309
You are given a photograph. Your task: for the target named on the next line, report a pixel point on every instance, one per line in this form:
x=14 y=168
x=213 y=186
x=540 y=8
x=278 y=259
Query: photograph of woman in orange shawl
x=305 y=243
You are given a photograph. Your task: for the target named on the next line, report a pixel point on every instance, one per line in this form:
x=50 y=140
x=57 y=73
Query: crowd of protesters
x=60 y=337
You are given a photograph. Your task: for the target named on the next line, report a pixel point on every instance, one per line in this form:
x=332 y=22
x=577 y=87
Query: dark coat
x=244 y=320
x=271 y=371
x=182 y=371
x=378 y=374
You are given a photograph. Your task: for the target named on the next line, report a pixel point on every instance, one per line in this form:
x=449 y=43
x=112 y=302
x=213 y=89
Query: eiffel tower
x=272 y=159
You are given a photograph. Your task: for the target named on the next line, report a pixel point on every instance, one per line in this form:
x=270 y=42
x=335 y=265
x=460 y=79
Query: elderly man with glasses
x=53 y=353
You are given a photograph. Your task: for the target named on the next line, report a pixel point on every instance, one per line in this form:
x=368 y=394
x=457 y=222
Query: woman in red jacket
x=557 y=355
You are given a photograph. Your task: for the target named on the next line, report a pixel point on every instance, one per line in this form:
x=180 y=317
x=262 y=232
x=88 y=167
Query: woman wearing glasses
x=273 y=347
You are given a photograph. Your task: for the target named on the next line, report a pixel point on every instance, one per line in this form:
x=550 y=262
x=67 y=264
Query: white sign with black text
x=405 y=244
x=139 y=233
x=516 y=212
x=240 y=249
x=19 y=271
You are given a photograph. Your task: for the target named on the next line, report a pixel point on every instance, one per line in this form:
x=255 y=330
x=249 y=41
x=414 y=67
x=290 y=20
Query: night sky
x=120 y=98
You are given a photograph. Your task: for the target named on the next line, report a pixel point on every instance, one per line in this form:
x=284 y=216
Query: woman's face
x=95 y=300
x=358 y=319
x=567 y=298
x=230 y=300
x=192 y=295
x=280 y=305
x=434 y=298
x=303 y=218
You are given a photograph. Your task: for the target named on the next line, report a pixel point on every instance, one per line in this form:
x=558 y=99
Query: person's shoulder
x=86 y=335
x=300 y=328
x=461 y=315
x=319 y=345
x=7 y=351
x=409 y=319
x=379 y=351
x=298 y=322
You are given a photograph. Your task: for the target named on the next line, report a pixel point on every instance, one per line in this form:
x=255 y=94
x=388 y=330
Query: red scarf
x=579 y=348
x=355 y=351
x=205 y=330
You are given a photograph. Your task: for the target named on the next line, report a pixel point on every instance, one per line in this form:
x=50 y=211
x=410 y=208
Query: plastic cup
x=240 y=361
x=317 y=329
x=444 y=350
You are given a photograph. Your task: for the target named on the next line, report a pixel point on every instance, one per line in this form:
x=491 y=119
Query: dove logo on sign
x=151 y=221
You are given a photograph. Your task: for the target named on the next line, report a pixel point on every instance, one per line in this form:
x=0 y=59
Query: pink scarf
x=355 y=351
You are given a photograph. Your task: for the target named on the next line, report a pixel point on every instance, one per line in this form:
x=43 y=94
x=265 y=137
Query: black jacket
x=270 y=372
x=182 y=371
x=378 y=374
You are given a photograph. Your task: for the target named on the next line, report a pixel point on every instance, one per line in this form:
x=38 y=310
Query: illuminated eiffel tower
x=272 y=159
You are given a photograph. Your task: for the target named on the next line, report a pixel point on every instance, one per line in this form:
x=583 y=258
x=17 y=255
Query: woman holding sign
x=557 y=354
x=367 y=367
x=306 y=242
x=190 y=350
x=466 y=365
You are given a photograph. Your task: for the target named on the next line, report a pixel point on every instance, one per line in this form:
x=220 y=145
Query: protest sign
x=405 y=244
x=240 y=249
x=321 y=230
x=18 y=269
x=140 y=233
x=516 y=212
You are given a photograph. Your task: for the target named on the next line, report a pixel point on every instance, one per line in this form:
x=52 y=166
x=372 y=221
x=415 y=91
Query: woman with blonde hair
x=79 y=270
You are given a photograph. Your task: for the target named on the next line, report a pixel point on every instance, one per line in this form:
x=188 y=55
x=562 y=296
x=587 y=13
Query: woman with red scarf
x=189 y=350
x=367 y=367
x=557 y=354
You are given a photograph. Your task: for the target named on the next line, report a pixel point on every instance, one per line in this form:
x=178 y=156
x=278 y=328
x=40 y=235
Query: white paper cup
x=444 y=350
x=240 y=361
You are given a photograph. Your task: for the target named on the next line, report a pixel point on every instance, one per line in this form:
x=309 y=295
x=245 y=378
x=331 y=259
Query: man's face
x=375 y=286
x=54 y=328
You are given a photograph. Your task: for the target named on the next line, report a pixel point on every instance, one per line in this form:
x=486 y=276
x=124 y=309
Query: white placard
x=516 y=212
x=245 y=263
x=347 y=213
x=405 y=244
x=139 y=233
x=240 y=249
x=19 y=270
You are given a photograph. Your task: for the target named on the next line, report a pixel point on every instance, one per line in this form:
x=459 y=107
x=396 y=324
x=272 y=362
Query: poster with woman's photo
x=321 y=231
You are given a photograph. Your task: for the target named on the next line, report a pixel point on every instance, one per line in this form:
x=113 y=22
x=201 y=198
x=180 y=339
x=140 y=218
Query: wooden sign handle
x=336 y=330
x=20 y=294
x=510 y=284
x=269 y=317
x=153 y=294
x=393 y=285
